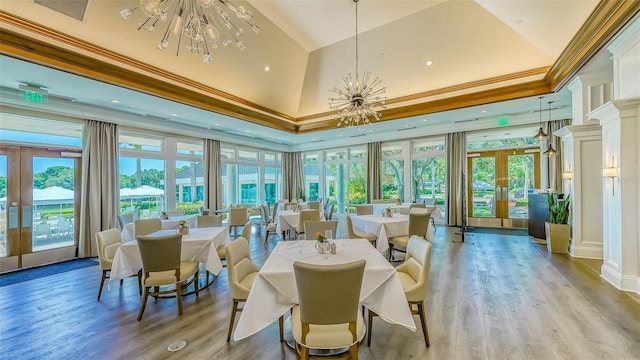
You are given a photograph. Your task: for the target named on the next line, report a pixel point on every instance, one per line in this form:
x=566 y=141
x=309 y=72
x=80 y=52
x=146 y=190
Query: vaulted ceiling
x=482 y=52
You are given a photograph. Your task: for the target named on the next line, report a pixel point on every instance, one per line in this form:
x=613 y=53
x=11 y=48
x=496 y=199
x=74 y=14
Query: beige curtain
x=555 y=162
x=291 y=175
x=212 y=175
x=373 y=171
x=456 y=161
x=100 y=194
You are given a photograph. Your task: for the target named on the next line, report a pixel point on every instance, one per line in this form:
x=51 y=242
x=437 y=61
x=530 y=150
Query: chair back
x=306 y=215
x=418 y=222
x=143 y=227
x=377 y=201
x=209 y=221
x=239 y=265
x=430 y=201
x=350 y=234
x=328 y=212
x=322 y=287
x=160 y=253
x=175 y=213
x=275 y=212
x=315 y=205
x=312 y=228
x=418 y=205
x=264 y=214
x=238 y=216
x=364 y=209
x=393 y=200
x=127 y=218
x=108 y=242
x=120 y=222
x=290 y=205
x=246 y=230
x=416 y=265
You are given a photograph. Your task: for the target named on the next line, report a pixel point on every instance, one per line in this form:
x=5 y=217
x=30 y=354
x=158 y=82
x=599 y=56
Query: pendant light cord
x=356 y=1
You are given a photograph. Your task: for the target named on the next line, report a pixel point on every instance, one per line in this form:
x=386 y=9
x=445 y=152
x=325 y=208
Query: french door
x=39 y=206
x=499 y=185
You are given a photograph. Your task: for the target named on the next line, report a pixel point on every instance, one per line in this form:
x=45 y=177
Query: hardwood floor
x=493 y=297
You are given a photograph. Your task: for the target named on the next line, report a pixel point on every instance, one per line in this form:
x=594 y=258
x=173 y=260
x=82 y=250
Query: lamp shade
x=611 y=172
x=550 y=152
x=567 y=175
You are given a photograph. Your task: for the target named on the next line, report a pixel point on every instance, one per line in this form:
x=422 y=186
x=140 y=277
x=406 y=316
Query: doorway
x=499 y=186
x=39 y=206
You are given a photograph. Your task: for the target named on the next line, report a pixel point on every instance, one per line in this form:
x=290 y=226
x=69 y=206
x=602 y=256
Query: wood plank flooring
x=493 y=297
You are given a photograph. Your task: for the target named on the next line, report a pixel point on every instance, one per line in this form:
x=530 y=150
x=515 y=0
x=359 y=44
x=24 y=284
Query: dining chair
x=414 y=277
x=241 y=272
x=108 y=242
x=377 y=201
x=354 y=234
x=304 y=216
x=328 y=212
x=312 y=228
x=393 y=200
x=432 y=202
x=290 y=205
x=246 y=230
x=418 y=205
x=209 y=221
x=418 y=224
x=161 y=266
x=269 y=226
x=315 y=323
x=364 y=209
x=315 y=205
x=273 y=218
x=237 y=217
x=175 y=213
x=143 y=227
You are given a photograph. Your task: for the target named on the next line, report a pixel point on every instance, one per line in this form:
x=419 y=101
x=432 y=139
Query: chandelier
x=357 y=99
x=540 y=135
x=201 y=24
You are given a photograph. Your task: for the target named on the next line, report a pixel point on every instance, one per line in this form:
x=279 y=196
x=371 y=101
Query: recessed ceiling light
x=425 y=120
x=248 y=131
x=115 y=101
x=429 y=62
x=174 y=114
x=266 y=68
x=340 y=135
x=483 y=111
x=216 y=124
x=406 y=125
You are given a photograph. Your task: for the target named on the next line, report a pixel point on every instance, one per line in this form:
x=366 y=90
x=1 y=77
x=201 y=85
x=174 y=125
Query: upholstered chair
x=312 y=228
x=354 y=234
x=142 y=227
x=108 y=242
x=318 y=322
x=418 y=224
x=364 y=209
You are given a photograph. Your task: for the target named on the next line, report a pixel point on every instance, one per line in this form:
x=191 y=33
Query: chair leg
x=390 y=252
x=196 y=282
x=353 y=351
x=304 y=352
x=140 y=282
x=370 y=326
x=423 y=321
x=143 y=302
x=104 y=277
x=281 y=328
x=233 y=318
x=179 y=297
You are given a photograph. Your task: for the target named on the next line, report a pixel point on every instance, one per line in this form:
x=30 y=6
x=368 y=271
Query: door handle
x=498 y=192
x=505 y=194
x=26 y=216
x=13 y=217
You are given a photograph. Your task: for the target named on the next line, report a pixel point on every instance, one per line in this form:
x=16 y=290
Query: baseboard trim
x=621 y=282
x=586 y=252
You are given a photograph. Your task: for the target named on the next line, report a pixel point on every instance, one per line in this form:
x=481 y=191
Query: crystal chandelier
x=357 y=99
x=203 y=23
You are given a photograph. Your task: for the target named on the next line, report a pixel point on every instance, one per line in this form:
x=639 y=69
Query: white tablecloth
x=274 y=290
x=385 y=228
x=167 y=224
x=199 y=245
x=378 y=208
x=288 y=220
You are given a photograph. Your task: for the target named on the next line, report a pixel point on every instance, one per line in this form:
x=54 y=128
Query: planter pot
x=183 y=230
x=557 y=237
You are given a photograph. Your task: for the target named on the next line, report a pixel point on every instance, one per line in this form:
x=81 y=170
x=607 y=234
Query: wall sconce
x=611 y=172
x=567 y=175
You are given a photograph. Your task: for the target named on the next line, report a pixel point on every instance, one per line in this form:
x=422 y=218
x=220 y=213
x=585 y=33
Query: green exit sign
x=503 y=122
x=36 y=98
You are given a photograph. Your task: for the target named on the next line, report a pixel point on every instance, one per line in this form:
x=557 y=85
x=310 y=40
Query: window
x=392 y=168
x=250 y=176
x=345 y=180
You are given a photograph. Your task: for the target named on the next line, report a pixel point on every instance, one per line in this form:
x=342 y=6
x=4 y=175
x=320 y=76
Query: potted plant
x=163 y=215
x=183 y=227
x=557 y=228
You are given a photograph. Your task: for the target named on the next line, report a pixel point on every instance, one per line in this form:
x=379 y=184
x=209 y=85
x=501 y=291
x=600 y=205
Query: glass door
x=39 y=205
x=499 y=186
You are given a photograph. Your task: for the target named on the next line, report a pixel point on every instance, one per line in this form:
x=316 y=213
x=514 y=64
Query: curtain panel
x=212 y=175
x=554 y=177
x=374 y=155
x=291 y=175
x=100 y=194
x=456 y=161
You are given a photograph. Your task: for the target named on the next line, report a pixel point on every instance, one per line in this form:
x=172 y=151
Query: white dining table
x=199 y=245
x=288 y=220
x=385 y=227
x=167 y=224
x=274 y=290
